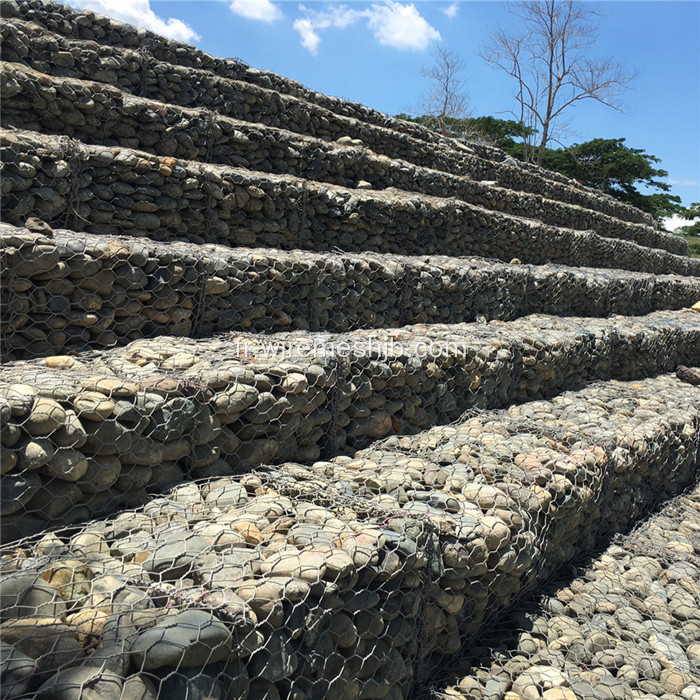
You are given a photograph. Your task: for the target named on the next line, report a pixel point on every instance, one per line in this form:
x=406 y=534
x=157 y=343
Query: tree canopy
x=693 y=213
x=618 y=170
x=497 y=132
x=605 y=164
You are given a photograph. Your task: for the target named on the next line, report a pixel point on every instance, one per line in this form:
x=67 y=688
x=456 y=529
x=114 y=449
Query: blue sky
x=373 y=53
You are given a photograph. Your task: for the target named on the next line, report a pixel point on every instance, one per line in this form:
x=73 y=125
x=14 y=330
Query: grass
x=694 y=246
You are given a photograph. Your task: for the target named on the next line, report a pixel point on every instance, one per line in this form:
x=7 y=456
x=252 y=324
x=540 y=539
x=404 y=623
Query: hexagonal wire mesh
x=626 y=623
x=64 y=291
x=354 y=577
x=349 y=578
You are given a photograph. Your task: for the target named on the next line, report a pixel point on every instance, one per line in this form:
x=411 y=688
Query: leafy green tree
x=692 y=212
x=497 y=132
x=501 y=133
x=605 y=164
x=618 y=170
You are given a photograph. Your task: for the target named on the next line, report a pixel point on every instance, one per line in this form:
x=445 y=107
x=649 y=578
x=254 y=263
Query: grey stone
x=190 y=638
x=16 y=671
x=82 y=683
x=276 y=660
x=139 y=687
x=16 y=490
x=174 y=552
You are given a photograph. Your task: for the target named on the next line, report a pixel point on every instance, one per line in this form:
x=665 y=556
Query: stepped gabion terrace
x=302 y=401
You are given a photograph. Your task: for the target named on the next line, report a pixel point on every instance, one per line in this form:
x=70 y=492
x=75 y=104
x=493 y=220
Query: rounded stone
x=173 y=554
x=21 y=398
x=16 y=671
x=35 y=453
x=81 y=683
x=93 y=405
x=102 y=472
x=66 y=464
x=235 y=399
x=189 y=638
x=294 y=383
x=16 y=490
x=46 y=416
x=276 y=660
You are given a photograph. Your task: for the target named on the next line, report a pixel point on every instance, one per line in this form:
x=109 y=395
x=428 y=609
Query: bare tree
x=551 y=67
x=445 y=99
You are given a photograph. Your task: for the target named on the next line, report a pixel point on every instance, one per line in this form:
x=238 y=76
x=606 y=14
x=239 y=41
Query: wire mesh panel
x=32 y=100
x=105 y=51
x=350 y=578
x=253 y=427
x=83 y=435
x=111 y=191
x=626 y=624
x=65 y=291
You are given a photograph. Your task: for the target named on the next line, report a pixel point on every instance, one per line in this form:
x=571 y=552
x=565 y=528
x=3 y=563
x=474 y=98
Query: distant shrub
x=694 y=246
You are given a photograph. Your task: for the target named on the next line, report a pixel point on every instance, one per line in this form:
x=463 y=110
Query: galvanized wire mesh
x=85 y=434
x=346 y=578
x=253 y=432
x=114 y=191
x=33 y=100
x=624 y=624
x=63 y=291
x=54 y=39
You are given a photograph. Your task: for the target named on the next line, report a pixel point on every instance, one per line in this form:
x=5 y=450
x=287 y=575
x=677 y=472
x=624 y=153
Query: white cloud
x=307 y=26
x=394 y=24
x=309 y=38
x=139 y=12
x=685 y=182
x=262 y=10
x=401 y=26
x=452 y=10
x=673 y=222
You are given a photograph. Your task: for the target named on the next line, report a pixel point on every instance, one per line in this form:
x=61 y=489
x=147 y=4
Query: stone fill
x=104 y=115
x=120 y=191
x=84 y=435
x=67 y=291
x=334 y=580
x=235 y=89
x=298 y=399
x=626 y=626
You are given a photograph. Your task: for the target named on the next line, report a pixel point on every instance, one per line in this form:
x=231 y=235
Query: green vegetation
x=694 y=246
x=605 y=164
x=692 y=212
x=618 y=170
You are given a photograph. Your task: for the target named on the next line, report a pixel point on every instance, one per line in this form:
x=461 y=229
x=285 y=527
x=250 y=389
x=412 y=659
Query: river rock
x=190 y=638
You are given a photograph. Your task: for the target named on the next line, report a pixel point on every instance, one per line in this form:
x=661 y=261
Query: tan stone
x=36 y=636
x=89 y=623
x=294 y=383
x=681 y=547
x=559 y=694
x=673 y=681
x=496 y=533
x=46 y=416
x=93 y=405
x=249 y=532
x=60 y=361
x=117 y=388
x=70 y=577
